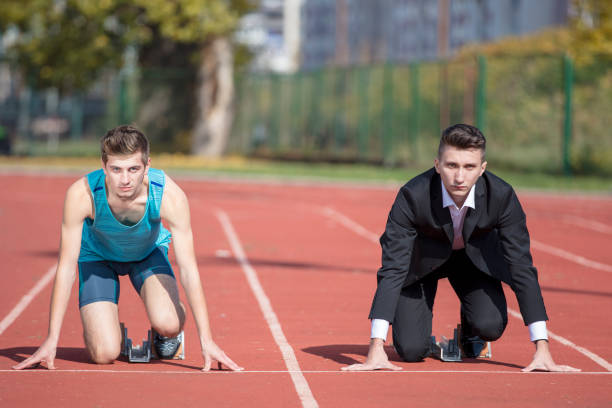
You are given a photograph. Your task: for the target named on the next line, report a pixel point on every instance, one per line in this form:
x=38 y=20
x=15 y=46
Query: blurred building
x=311 y=33
x=263 y=31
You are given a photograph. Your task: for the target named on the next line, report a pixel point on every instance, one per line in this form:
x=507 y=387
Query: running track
x=289 y=273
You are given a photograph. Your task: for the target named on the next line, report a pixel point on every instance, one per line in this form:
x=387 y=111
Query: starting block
x=450 y=349
x=145 y=352
x=486 y=350
x=139 y=353
x=446 y=349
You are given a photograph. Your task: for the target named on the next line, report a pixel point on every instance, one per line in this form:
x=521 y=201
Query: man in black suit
x=460 y=222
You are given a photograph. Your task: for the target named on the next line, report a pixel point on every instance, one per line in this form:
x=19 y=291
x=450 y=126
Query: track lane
x=237 y=328
x=321 y=340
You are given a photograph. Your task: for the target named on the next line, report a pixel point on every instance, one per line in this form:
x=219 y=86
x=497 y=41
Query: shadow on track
x=343 y=354
x=79 y=355
x=256 y=262
x=75 y=354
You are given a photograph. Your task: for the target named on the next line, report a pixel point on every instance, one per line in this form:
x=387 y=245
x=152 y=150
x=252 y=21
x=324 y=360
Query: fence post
x=275 y=110
x=339 y=98
x=481 y=93
x=76 y=116
x=388 y=158
x=255 y=114
x=568 y=85
x=123 y=103
x=295 y=124
x=363 y=120
x=416 y=107
x=238 y=127
x=317 y=92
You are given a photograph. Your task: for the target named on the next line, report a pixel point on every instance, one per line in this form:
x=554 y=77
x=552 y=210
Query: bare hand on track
x=213 y=352
x=45 y=353
x=542 y=360
x=377 y=359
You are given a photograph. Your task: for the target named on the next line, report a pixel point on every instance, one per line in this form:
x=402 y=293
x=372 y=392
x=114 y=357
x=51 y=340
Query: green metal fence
x=160 y=101
x=539 y=113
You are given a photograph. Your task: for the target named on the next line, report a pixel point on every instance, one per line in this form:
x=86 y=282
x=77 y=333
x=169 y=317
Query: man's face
x=125 y=174
x=459 y=170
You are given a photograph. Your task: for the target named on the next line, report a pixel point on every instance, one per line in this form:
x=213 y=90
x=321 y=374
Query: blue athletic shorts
x=99 y=280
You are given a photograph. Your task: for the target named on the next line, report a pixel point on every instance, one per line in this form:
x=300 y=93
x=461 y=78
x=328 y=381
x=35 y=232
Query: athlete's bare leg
x=161 y=300
x=101 y=331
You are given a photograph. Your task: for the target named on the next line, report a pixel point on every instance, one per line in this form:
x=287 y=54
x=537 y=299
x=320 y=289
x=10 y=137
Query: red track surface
x=319 y=276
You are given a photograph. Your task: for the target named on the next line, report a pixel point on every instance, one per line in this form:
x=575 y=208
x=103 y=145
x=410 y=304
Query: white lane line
x=569 y=344
x=341 y=372
x=570 y=256
x=350 y=224
x=588 y=224
x=26 y=299
x=360 y=230
x=354 y=226
x=300 y=383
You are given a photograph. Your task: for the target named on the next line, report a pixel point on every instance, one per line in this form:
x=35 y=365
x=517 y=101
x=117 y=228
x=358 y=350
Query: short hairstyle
x=462 y=136
x=122 y=140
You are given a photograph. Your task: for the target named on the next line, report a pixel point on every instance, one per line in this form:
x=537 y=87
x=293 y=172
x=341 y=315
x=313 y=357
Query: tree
x=591 y=26
x=67 y=44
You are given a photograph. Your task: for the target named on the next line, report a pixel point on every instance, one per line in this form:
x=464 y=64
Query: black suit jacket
x=419 y=234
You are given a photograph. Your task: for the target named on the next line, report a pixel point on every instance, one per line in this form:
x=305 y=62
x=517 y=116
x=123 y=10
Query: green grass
x=239 y=167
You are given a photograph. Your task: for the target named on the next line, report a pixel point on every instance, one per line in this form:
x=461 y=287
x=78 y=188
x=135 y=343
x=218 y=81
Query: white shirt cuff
x=537 y=331
x=380 y=328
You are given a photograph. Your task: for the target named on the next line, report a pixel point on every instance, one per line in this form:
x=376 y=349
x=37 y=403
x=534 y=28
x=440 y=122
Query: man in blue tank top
x=112 y=226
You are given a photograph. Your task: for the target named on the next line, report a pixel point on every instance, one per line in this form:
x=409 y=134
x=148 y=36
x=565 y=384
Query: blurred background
x=341 y=81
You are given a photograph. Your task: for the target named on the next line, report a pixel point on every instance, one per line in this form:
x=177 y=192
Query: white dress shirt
x=380 y=327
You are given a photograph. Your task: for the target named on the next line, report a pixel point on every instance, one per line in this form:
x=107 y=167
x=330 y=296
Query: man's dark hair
x=122 y=140
x=462 y=136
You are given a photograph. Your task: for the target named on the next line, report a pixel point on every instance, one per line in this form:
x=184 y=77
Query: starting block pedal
x=135 y=353
x=145 y=352
x=446 y=349
x=450 y=349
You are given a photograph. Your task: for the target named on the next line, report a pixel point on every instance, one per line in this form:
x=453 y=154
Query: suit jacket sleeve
x=397 y=244
x=514 y=242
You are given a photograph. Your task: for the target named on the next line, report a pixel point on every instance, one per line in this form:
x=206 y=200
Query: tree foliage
x=66 y=43
x=591 y=29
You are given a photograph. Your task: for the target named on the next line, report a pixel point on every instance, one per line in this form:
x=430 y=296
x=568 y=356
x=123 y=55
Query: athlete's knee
x=412 y=352
x=168 y=324
x=104 y=353
x=489 y=328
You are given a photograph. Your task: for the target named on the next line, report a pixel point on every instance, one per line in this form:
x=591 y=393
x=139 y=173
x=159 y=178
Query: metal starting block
x=145 y=352
x=450 y=349
x=445 y=349
x=138 y=353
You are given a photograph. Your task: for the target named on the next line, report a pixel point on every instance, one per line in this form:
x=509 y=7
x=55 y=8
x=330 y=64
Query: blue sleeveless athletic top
x=106 y=239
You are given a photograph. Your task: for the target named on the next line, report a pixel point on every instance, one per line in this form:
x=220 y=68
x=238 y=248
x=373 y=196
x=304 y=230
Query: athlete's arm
x=77 y=206
x=175 y=211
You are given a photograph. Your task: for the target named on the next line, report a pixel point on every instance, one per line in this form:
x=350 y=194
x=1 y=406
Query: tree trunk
x=215 y=97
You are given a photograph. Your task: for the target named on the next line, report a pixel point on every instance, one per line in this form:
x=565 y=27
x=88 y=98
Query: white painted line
x=569 y=344
x=350 y=224
x=588 y=224
x=353 y=226
x=360 y=230
x=26 y=299
x=300 y=383
x=570 y=256
x=341 y=372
